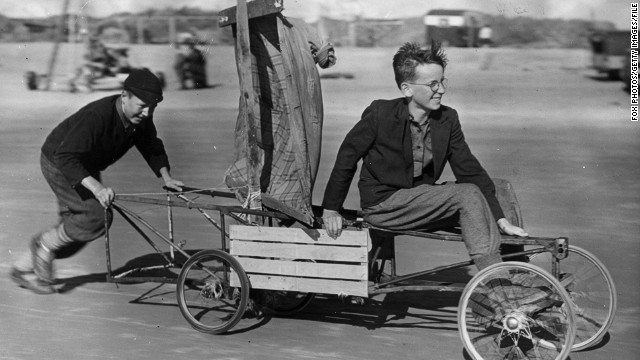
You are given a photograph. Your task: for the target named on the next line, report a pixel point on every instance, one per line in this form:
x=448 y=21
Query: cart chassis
x=409 y=282
x=368 y=279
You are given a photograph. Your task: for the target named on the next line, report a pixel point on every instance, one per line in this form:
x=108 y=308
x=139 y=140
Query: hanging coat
x=289 y=112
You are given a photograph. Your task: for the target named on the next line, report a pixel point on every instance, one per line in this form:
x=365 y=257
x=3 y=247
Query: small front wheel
x=515 y=310
x=212 y=291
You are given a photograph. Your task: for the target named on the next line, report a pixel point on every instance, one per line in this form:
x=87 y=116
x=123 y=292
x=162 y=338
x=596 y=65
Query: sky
x=616 y=11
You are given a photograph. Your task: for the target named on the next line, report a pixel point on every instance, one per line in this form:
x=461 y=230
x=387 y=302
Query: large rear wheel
x=212 y=291
x=591 y=289
x=515 y=310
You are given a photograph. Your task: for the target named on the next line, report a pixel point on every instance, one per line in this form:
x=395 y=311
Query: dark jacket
x=382 y=138
x=95 y=137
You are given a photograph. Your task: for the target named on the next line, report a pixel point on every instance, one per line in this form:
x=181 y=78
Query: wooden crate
x=304 y=260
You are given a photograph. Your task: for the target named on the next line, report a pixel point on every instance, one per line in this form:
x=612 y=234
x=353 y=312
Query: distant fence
x=164 y=28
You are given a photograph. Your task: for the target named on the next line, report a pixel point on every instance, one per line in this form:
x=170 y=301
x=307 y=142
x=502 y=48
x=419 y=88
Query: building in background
x=454 y=27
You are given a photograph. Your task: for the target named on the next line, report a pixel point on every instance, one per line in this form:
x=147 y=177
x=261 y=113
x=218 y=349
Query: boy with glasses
x=404 y=144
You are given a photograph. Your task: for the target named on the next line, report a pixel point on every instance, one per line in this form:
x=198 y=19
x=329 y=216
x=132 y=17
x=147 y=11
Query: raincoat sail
x=289 y=112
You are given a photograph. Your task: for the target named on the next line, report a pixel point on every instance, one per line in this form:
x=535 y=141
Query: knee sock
x=51 y=240
x=55 y=238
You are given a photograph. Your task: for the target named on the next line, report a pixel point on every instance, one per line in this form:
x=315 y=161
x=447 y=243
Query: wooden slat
x=255 y=9
x=304 y=269
x=233 y=279
x=323 y=286
x=298 y=235
x=254 y=247
x=299 y=251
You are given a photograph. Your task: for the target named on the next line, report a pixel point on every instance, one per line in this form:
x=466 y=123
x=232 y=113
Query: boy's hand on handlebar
x=169 y=181
x=174 y=184
x=105 y=196
x=333 y=222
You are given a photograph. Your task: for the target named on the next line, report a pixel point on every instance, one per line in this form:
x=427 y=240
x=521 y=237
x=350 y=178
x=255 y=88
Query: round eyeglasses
x=435 y=85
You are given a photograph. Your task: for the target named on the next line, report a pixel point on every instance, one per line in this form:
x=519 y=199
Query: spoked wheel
x=515 y=310
x=591 y=289
x=212 y=291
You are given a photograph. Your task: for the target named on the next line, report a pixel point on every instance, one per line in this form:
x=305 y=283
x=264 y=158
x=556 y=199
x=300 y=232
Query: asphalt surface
x=540 y=118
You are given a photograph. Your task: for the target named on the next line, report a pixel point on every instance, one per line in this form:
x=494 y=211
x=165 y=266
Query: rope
x=186 y=192
x=252 y=196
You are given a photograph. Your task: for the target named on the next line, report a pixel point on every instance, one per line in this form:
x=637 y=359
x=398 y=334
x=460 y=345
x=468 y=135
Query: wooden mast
x=246 y=91
x=56 y=46
x=239 y=16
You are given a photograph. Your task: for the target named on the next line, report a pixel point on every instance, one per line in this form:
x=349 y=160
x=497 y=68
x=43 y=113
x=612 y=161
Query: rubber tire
x=543 y=259
x=509 y=266
x=244 y=291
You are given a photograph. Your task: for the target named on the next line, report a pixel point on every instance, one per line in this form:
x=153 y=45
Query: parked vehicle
x=609 y=49
x=454 y=27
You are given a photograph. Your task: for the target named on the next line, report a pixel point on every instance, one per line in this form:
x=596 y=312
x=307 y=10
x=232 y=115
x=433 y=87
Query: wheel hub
x=511 y=323
x=212 y=290
x=515 y=322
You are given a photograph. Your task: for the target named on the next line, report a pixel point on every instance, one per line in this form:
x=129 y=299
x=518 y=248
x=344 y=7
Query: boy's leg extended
x=421 y=207
x=81 y=220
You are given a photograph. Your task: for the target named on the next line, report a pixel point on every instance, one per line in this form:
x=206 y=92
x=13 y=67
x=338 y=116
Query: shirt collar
x=415 y=122
x=125 y=122
x=404 y=114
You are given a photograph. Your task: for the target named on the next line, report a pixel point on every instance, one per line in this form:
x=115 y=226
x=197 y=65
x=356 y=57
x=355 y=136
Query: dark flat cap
x=144 y=85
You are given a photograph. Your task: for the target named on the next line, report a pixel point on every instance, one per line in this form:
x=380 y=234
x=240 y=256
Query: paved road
x=538 y=118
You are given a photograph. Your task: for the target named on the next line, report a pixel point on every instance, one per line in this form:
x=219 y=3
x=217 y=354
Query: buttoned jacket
x=382 y=140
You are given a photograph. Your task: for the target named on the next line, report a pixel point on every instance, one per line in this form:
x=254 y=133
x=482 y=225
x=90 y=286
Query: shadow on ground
x=154 y=267
x=414 y=309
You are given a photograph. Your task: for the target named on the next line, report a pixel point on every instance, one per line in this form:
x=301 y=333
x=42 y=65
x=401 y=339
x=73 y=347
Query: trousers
x=83 y=220
x=427 y=207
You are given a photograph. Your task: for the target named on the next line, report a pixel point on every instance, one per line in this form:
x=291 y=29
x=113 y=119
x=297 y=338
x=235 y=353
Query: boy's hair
x=410 y=55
